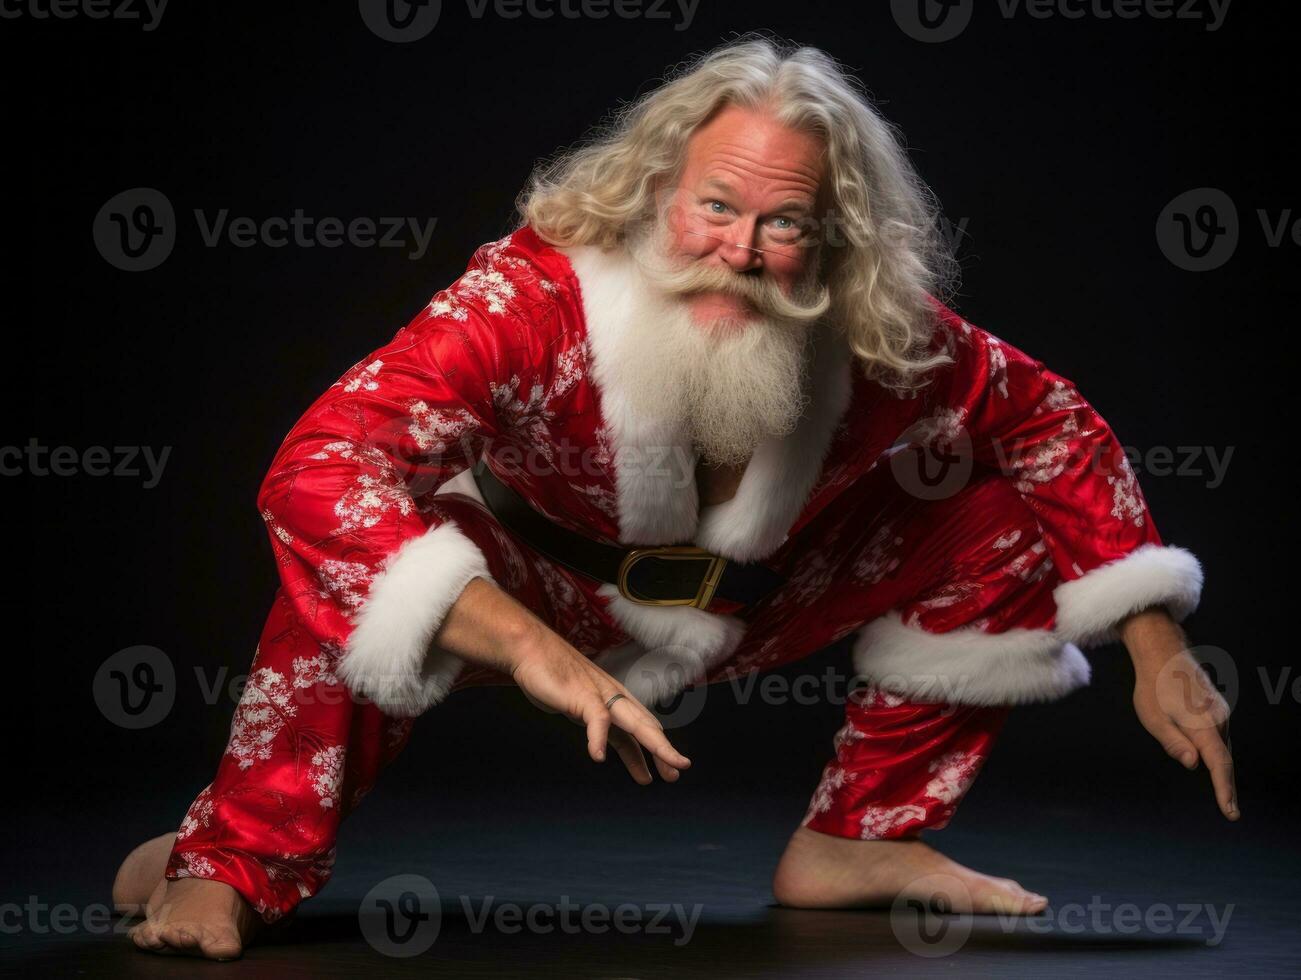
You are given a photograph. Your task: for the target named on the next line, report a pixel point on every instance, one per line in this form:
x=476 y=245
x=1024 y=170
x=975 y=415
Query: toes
x=187 y=939
x=196 y=940
x=182 y=938
x=146 y=937
x=1009 y=897
x=221 y=946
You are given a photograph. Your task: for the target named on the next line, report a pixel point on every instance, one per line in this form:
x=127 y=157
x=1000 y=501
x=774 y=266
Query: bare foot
x=194 y=917
x=140 y=874
x=819 y=871
x=190 y=916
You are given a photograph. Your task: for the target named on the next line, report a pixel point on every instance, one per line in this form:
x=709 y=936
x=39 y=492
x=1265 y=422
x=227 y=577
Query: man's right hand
x=558 y=676
x=486 y=626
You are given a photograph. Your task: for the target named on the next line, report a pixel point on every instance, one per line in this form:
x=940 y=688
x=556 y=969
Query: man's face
x=744 y=202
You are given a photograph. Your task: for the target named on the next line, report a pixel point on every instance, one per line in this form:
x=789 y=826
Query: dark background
x=1058 y=141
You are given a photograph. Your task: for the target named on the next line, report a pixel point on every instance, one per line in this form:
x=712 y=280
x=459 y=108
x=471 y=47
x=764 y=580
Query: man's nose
x=739 y=247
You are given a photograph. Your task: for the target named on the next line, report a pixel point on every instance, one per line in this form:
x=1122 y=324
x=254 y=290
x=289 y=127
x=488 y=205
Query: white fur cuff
x=390 y=658
x=672 y=647
x=1089 y=607
x=968 y=666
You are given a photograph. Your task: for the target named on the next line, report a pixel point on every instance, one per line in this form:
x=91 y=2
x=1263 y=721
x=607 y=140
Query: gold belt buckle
x=677 y=552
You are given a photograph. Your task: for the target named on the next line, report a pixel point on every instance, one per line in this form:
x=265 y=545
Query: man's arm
x=487 y=626
x=1120 y=581
x=371 y=568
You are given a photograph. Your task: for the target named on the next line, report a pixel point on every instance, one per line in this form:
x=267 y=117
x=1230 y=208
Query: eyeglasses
x=751 y=248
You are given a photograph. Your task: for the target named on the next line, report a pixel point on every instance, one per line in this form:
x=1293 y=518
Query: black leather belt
x=673 y=575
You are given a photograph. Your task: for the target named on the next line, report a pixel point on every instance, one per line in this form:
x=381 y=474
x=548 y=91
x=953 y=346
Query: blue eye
x=787 y=226
x=718 y=207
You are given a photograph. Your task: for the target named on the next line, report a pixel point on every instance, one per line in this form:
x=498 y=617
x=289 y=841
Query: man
x=715 y=328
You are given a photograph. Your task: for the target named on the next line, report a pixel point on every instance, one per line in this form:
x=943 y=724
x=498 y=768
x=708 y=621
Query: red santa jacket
x=519 y=361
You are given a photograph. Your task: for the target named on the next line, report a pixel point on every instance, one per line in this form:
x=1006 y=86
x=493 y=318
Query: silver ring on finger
x=613 y=699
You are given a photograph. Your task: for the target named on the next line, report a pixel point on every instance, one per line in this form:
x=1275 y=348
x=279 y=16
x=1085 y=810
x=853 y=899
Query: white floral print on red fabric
x=266 y=705
x=954 y=773
x=346 y=580
x=833 y=780
x=191 y=865
x=326 y=775
x=198 y=815
x=880 y=821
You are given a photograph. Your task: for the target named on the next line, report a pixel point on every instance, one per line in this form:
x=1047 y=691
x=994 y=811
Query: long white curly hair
x=890 y=258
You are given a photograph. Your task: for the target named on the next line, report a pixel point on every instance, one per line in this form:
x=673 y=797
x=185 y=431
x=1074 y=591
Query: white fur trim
x=655 y=475
x=1089 y=607
x=673 y=646
x=390 y=658
x=655 y=464
x=968 y=666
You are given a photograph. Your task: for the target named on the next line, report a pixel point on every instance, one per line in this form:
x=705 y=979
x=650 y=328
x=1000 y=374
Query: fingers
x=1220 y=763
x=633 y=727
x=633 y=759
x=635 y=719
x=667 y=772
x=668 y=760
x=1175 y=743
x=597 y=719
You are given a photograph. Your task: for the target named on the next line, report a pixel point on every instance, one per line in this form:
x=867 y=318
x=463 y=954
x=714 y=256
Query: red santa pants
x=302 y=752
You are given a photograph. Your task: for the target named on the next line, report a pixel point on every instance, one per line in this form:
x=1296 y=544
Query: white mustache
x=759 y=290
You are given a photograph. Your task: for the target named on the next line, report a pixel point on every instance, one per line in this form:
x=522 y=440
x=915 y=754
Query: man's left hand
x=1177 y=703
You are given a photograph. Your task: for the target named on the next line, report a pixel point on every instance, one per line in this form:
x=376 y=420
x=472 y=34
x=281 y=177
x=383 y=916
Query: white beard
x=731 y=388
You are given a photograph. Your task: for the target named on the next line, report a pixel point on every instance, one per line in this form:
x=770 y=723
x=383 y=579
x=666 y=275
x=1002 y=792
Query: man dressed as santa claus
x=722 y=422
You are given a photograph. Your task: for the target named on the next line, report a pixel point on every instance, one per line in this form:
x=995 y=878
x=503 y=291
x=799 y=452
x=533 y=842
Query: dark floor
x=1178 y=902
